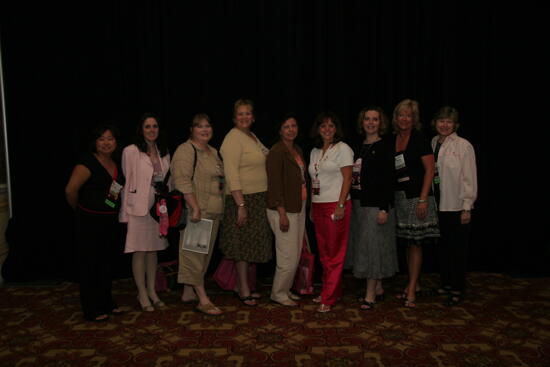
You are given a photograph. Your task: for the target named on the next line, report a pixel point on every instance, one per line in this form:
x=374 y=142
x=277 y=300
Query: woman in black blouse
x=414 y=202
x=371 y=250
x=93 y=192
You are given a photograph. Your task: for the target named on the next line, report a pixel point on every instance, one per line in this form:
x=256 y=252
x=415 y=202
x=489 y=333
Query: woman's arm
x=429 y=168
x=468 y=184
x=80 y=175
x=344 y=191
x=242 y=212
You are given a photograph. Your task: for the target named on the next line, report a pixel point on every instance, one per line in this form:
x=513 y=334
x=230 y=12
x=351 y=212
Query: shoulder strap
x=194 y=161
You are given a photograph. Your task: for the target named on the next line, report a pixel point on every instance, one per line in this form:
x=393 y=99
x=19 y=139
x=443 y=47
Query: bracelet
x=241 y=204
x=422 y=201
x=340 y=205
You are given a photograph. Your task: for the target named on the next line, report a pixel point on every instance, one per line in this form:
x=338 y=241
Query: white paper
x=196 y=237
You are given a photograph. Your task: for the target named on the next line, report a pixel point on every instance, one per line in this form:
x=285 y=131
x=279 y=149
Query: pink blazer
x=138 y=170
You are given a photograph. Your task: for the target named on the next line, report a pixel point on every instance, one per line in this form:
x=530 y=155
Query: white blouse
x=456 y=166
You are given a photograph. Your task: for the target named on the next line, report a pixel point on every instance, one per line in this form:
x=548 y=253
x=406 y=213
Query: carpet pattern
x=503 y=322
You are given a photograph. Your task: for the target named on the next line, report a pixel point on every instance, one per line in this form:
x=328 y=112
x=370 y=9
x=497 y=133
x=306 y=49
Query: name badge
x=114 y=192
x=356 y=175
x=399 y=161
x=401 y=168
x=315 y=186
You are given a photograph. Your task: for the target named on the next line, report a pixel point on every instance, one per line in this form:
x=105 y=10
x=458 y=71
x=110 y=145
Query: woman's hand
x=465 y=217
x=283 y=222
x=382 y=217
x=339 y=213
x=196 y=215
x=242 y=215
x=422 y=210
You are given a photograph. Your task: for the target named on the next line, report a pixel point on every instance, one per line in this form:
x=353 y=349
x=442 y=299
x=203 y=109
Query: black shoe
x=453 y=299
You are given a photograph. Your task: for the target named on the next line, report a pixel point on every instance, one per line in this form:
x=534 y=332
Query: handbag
x=303 y=281
x=174 y=201
x=226 y=275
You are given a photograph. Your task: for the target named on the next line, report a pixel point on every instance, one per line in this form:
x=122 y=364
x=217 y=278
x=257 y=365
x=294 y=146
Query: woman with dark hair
x=245 y=235
x=414 y=201
x=330 y=169
x=455 y=188
x=145 y=164
x=371 y=248
x=93 y=191
x=286 y=200
x=197 y=172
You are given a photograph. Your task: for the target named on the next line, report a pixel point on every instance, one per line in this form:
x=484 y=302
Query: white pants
x=288 y=247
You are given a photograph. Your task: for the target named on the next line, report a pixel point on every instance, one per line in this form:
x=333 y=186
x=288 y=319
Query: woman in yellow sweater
x=245 y=236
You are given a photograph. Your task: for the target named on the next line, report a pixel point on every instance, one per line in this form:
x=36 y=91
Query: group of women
x=249 y=192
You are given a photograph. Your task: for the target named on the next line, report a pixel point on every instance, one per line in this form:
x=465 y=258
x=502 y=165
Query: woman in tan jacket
x=197 y=172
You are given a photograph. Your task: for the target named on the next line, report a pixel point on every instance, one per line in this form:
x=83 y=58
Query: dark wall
x=69 y=68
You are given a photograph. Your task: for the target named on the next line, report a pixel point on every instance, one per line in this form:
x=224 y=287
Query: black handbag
x=175 y=202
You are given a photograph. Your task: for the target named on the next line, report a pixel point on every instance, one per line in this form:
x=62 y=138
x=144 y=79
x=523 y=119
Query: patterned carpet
x=504 y=322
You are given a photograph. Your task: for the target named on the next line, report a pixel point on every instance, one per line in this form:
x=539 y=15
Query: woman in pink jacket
x=145 y=164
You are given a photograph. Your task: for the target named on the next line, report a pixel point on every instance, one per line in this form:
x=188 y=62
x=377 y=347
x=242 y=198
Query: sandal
x=453 y=300
x=294 y=296
x=324 y=308
x=209 y=309
x=146 y=308
x=159 y=304
x=247 y=300
x=366 y=305
x=316 y=299
x=99 y=318
x=443 y=291
x=287 y=303
x=117 y=311
x=410 y=303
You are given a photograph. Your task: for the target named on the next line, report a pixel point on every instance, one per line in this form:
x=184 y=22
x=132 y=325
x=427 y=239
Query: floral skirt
x=253 y=242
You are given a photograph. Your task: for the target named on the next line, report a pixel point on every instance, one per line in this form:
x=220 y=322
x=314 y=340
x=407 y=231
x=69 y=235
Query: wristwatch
x=340 y=205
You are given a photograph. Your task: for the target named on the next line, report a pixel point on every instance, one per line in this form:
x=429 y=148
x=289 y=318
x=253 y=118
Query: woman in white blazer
x=455 y=189
x=144 y=164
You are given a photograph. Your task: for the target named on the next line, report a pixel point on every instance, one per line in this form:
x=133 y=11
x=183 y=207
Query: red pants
x=332 y=242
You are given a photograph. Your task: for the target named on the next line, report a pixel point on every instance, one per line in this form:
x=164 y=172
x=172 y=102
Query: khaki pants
x=288 y=246
x=192 y=265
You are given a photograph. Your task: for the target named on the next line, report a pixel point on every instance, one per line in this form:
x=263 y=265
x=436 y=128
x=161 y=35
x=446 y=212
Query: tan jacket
x=204 y=182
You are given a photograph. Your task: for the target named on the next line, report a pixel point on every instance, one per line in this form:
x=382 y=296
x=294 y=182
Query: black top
x=377 y=174
x=93 y=194
x=417 y=147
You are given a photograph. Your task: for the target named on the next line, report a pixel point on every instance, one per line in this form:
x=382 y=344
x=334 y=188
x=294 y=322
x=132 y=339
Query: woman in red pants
x=330 y=169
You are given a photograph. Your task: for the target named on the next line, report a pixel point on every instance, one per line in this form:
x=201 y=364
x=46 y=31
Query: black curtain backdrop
x=68 y=68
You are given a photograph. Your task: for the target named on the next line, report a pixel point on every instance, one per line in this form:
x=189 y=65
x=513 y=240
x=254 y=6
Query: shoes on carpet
x=247 y=300
x=159 y=304
x=117 y=311
x=454 y=299
x=99 y=318
x=324 y=308
x=294 y=296
x=253 y=294
x=145 y=308
x=366 y=305
x=209 y=309
x=409 y=303
x=443 y=291
x=287 y=303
